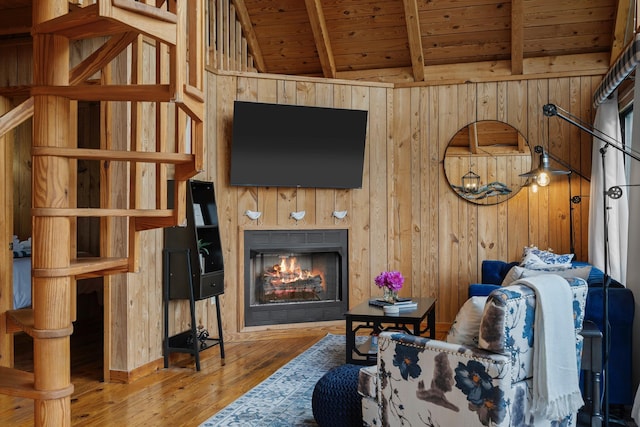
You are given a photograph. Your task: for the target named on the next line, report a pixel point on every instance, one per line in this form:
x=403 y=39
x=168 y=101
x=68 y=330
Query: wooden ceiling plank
x=339 y=9
x=243 y=17
x=595 y=29
x=567 y=45
x=517 y=36
x=581 y=13
x=415 y=39
x=620 y=29
x=374 y=40
x=321 y=37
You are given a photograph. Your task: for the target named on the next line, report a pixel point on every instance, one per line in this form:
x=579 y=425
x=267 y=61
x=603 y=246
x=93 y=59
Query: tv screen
x=278 y=145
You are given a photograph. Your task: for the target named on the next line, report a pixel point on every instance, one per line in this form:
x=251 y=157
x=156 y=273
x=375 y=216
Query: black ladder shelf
x=187 y=341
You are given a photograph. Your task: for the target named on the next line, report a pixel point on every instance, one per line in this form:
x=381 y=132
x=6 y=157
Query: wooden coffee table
x=367 y=316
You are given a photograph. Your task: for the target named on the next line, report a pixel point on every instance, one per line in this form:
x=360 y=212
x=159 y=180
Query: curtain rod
x=619 y=71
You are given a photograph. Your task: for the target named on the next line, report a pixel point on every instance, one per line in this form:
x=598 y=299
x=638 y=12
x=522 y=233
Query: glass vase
x=390 y=295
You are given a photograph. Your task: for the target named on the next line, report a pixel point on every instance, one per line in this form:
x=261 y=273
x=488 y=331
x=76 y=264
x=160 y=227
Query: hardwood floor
x=178 y=396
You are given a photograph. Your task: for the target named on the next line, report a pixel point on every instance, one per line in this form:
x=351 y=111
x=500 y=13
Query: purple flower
x=390 y=279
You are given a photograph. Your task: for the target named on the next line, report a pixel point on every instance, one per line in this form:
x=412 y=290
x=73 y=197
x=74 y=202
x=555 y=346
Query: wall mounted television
x=276 y=145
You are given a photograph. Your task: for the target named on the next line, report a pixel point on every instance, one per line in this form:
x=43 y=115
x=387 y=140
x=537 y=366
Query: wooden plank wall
x=16 y=70
x=406 y=216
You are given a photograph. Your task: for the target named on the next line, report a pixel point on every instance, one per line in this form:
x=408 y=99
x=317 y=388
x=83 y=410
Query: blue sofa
x=621 y=312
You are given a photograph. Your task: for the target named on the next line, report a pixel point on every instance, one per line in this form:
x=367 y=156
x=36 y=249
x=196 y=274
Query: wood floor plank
x=177 y=396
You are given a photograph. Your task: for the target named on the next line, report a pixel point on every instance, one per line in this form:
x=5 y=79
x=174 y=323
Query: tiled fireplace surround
x=295 y=276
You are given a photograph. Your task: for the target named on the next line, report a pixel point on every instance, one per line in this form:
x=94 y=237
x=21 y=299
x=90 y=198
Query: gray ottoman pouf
x=336 y=401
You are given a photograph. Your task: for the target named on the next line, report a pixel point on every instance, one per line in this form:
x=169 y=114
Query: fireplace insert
x=294 y=276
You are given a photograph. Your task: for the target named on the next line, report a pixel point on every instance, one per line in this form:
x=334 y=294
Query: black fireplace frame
x=300 y=241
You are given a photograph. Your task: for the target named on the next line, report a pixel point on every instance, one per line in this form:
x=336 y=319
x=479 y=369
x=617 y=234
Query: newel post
x=51 y=234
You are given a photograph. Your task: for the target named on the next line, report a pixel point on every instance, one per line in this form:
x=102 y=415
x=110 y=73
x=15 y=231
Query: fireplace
x=295 y=276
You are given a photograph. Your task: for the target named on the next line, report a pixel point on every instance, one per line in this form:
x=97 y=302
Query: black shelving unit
x=201 y=235
x=193 y=267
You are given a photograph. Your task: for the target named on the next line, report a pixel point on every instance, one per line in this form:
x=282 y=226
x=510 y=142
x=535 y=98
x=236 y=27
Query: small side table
x=374 y=318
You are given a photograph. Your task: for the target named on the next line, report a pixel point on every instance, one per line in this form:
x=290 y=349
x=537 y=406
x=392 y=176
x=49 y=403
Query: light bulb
x=543 y=179
x=534 y=187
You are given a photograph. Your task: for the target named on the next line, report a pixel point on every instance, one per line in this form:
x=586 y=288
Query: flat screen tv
x=277 y=145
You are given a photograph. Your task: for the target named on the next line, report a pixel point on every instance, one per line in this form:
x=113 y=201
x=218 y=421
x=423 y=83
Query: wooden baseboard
x=127 y=377
x=251 y=334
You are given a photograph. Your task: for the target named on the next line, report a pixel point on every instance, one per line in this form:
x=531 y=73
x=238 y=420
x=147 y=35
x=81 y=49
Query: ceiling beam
x=247 y=30
x=415 y=38
x=321 y=37
x=587 y=64
x=621 y=28
x=517 y=37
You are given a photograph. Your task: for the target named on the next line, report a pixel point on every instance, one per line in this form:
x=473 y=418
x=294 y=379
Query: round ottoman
x=336 y=401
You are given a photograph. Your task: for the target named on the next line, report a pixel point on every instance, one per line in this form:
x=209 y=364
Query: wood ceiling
x=415 y=40
x=422 y=40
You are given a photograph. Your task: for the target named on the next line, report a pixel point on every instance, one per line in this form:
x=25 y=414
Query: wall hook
x=252 y=214
x=298 y=215
x=339 y=214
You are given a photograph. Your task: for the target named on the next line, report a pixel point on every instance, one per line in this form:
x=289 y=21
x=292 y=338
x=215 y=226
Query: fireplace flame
x=288 y=280
x=289 y=271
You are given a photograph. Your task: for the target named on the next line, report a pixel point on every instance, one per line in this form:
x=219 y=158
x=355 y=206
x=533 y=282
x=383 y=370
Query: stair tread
x=23 y=320
x=77 y=23
x=103 y=212
x=115 y=17
x=17 y=383
x=86 y=267
x=115 y=155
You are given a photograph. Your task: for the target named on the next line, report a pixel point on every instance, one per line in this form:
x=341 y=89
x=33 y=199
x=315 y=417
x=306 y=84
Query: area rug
x=284 y=399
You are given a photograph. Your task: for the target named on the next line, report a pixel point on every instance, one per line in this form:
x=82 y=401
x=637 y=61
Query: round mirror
x=483 y=162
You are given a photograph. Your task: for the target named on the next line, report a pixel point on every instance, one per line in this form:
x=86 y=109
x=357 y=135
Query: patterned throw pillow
x=521 y=273
x=466 y=328
x=21 y=248
x=21 y=254
x=534 y=258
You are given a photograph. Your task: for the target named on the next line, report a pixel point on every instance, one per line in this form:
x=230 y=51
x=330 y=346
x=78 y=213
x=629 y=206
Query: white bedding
x=21 y=282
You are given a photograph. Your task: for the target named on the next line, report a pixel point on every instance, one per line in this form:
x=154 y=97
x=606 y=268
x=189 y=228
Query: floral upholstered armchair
x=424 y=382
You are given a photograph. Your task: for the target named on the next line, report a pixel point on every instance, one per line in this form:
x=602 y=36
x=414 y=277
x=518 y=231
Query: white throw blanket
x=556 y=391
x=635 y=411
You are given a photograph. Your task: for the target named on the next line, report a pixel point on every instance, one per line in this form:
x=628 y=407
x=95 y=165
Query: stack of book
x=403 y=304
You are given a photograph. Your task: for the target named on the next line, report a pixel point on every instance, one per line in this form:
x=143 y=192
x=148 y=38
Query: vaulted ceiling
x=414 y=40
x=422 y=40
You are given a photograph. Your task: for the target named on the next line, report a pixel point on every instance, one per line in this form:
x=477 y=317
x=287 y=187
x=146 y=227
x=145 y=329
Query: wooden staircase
x=177 y=30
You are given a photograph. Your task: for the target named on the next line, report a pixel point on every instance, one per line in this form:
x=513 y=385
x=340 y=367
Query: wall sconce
x=470 y=182
x=542 y=174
